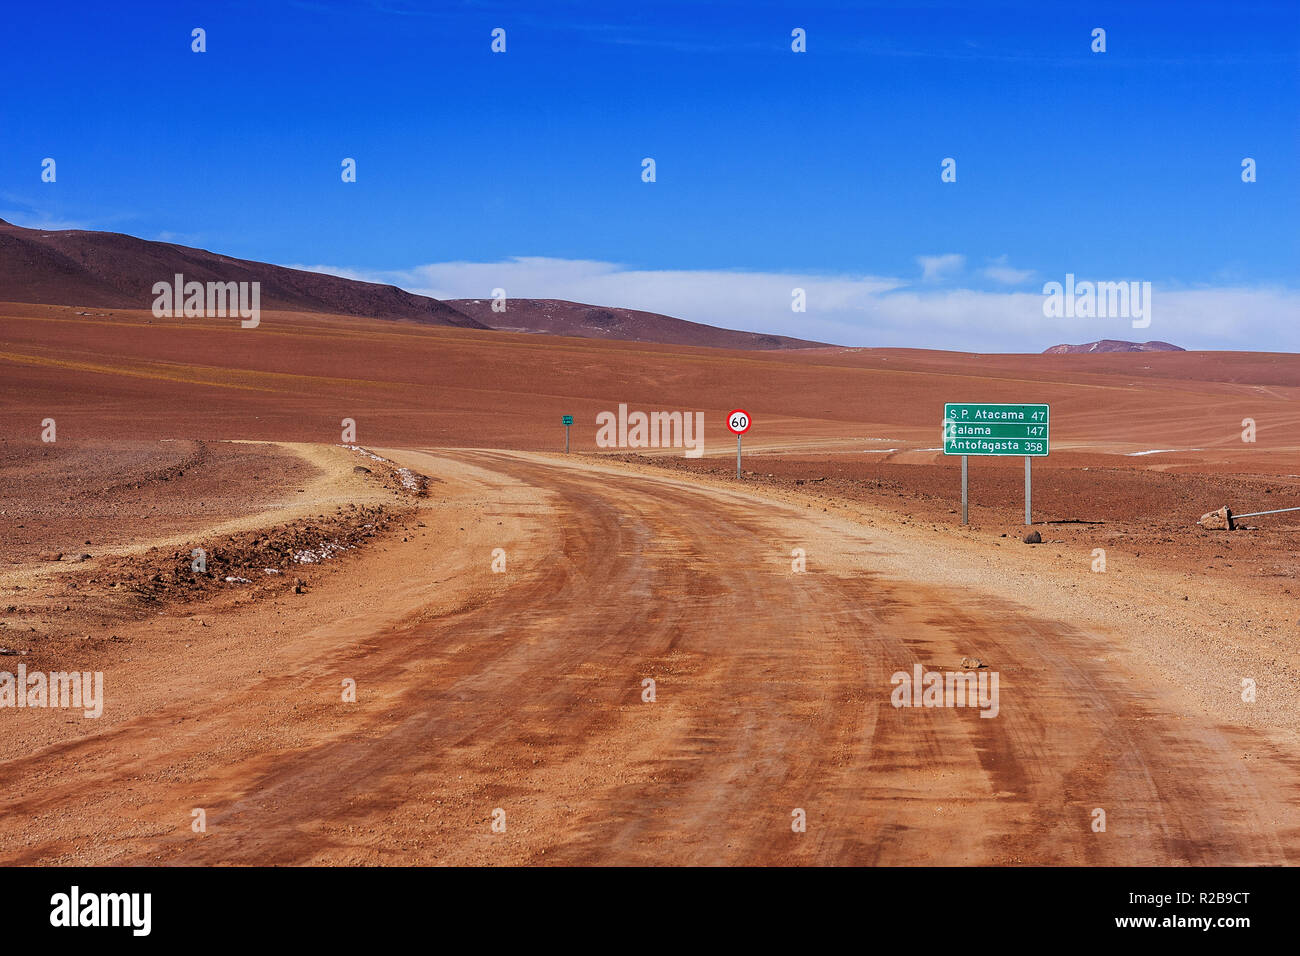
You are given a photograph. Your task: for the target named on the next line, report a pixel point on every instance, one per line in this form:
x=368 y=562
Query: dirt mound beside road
x=79 y=496
x=79 y=610
x=266 y=559
x=283 y=514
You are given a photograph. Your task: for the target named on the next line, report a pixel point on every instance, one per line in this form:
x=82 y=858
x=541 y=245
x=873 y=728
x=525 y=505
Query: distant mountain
x=111 y=270
x=1112 y=345
x=559 y=317
x=116 y=271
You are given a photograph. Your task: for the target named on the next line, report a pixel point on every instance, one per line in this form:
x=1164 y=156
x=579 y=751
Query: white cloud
x=180 y=238
x=999 y=271
x=863 y=310
x=934 y=268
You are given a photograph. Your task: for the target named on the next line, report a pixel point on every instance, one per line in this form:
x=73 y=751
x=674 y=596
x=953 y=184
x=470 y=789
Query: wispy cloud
x=935 y=268
x=864 y=310
x=999 y=271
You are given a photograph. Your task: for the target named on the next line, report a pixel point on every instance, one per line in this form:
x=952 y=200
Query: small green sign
x=568 y=419
x=991 y=429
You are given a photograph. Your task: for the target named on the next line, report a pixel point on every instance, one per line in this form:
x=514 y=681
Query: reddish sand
x=522 y=691
x=298 y=375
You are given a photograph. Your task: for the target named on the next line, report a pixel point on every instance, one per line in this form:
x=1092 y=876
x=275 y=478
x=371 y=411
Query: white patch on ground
x=230 y=580
x=316 y=555
x=406 y=476
x=1157 y=451
x=361 y=451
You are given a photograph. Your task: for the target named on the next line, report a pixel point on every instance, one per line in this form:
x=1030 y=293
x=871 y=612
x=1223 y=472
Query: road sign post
x=996 y=430
x=567 y=420
x=738 y=422
x=965 y=515
x=1027 y=461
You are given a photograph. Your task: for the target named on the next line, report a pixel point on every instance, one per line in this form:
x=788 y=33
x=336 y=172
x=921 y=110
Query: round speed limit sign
x=738 y=421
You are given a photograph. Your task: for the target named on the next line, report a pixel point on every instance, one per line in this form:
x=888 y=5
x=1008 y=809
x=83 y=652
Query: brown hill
x=112 y=270
x=1112 y=345
x=559 y=317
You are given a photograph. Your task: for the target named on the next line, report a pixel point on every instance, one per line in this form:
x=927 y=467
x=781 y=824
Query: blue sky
x=523 y=170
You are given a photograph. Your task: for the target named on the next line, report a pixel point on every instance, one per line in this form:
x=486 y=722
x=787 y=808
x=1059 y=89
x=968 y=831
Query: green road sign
x=984 y=429
x=568 y=419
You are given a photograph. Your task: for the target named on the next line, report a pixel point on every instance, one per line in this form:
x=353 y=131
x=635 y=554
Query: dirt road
x=523 y=692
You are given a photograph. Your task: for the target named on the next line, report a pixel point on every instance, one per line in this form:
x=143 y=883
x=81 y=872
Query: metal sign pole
x=738 y=456
x=566 y=439
x=964 y=513
x=1027 y=488
x=1256 y=514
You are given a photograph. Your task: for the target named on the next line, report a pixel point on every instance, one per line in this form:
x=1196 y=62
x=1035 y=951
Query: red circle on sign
x=738 y=421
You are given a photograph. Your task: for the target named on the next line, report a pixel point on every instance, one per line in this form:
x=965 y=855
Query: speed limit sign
x=738 y=421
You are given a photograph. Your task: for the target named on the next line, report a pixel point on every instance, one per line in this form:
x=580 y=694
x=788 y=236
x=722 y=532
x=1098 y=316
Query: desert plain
x=429 y=642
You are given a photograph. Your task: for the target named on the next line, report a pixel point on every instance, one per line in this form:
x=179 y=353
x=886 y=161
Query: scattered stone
x=1220 y=520
x=51 y=555
x=971 y=663
x=360 y=470
x=298 y=586
x=1033 y=538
